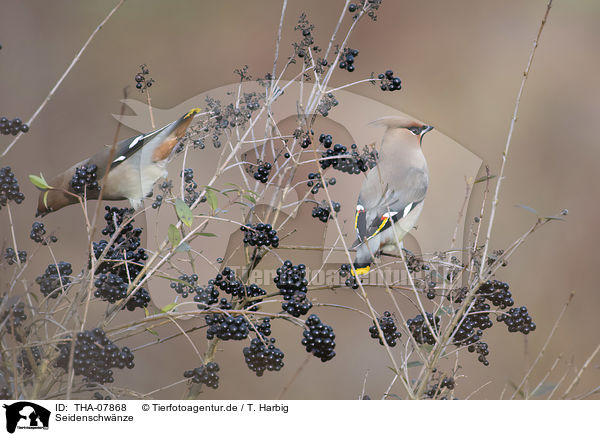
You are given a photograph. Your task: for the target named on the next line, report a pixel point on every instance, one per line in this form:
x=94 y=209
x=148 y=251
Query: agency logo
x=26 y=415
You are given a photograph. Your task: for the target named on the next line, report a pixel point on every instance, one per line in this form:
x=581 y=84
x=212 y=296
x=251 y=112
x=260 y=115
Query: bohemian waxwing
x=393 y=191
x=138 y=162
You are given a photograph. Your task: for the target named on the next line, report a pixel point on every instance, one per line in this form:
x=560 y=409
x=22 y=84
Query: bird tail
x=393 y=121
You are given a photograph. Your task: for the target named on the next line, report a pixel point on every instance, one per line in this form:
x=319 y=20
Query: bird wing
x=380 y=205
x=130 y=146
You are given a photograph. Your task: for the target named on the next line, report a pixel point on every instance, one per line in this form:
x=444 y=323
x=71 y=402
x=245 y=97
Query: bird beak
x=425 y=130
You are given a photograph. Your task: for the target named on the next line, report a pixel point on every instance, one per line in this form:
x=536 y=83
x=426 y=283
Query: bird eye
x=415 y=130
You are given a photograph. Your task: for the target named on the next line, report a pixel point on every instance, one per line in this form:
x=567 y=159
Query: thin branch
x=65 y=74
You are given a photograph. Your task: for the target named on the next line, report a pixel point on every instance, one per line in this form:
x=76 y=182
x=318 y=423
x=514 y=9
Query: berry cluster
x=24 y=360
x=340 y=159
x=226 y=327
x=231 y=115
x=351 y=282
x=319 y=339
x=497 y=293
x=206 y=374
x=9 y=187
x=12 y=127
x=141 y=82
x=186 y=285
x=470 y=330
x=306 y=141
x=227 y=282
x=260 y=235
x=389 y=82
x=264 y=328
x=141 y=298
x=110 y=287
x=262 y=173
x=94 y=356
x=206 y=296
x=388 y=327
x=316 y=177
x=297 y=305
x=55 y=280
x=323 y=211
x=191 y=195
x=37 y=234
x=124 y=257
x=15 y=314
x=123 y=260
x=326 y=104
x=302 y=48
x=347 y=62
x=85 y=178
x=482 y=349
x=157 y=202
x=420 y=329
x=518 y=320
x=292 y=284
x=260 y=357
x=447 y=382
x=11 y=256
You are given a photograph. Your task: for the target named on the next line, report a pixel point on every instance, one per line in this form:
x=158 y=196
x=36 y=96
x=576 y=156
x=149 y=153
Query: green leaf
x=243 y=204
x=154 y=332
x=554 y=218
x=169 y=307
x=249 y=198
x=39 y=182
x=527 y=208
x=211 y=198
x=393 y=396
x=414 y=363
x=45 y=198
x=174 y=235
x=484 y=179
x=183 y=247
x=209 y=235
x=184 y=212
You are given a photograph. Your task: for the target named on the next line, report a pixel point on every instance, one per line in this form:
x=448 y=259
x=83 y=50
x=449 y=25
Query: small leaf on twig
x=414 y=363
x=527 y=208
x=211 y=198
x=169 y=307
x=484 y=179
x=554 y=218
x=183 y=247
x=39 y=182
x=184 y=212
x=209 y=235
x=174 y=235
x=249 y=198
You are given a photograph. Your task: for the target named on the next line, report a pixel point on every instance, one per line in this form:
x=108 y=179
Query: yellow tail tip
x=193 y=112
x=361 y=271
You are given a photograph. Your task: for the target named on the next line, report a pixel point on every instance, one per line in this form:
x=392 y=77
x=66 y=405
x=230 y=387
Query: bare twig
x=65 y=74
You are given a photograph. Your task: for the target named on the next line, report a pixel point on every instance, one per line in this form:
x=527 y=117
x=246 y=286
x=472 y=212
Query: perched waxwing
x=392 y=195
x=137 y=164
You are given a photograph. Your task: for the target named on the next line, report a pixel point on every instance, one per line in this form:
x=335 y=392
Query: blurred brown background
x=461 y=64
